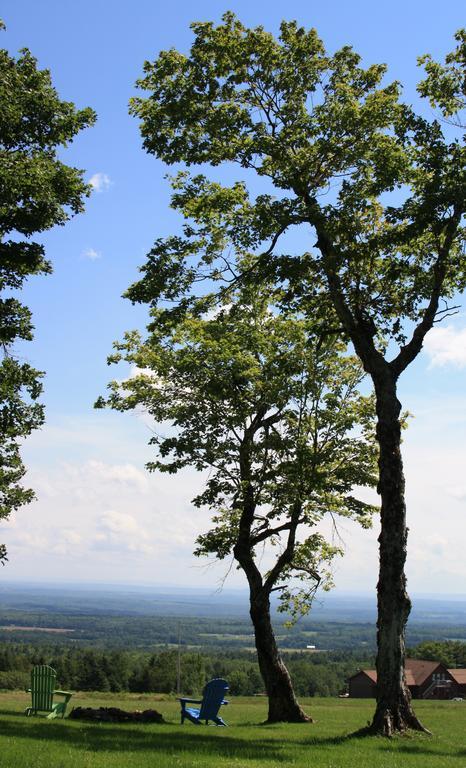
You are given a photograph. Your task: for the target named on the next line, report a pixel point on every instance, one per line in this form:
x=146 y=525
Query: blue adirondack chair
x=212 y=699
x=42 y=690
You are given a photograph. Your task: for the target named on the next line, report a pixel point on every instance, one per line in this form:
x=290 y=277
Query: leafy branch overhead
x=445 y=84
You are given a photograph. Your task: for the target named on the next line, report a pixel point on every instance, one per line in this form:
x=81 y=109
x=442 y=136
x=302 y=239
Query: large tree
x=379 y=195
x=272 y=410
x=37 y=191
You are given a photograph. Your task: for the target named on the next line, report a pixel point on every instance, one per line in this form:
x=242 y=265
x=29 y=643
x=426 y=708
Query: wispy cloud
x=94 y=479
x=447 y=346
x=120 y=531
x=90 y=253
x=458 y=492
x=107 y=519
x=100 y=182
x=121 y=474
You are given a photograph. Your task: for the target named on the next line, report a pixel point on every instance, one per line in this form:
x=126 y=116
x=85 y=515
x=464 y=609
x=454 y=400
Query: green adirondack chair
x=43 y=691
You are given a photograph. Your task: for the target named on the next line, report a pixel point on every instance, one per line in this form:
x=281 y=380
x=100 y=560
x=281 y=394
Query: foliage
x=307 y=122
x=14 y=681
x=341 y=632
x=273 y=411
x=159 y=673
x=37 y=191
x=445 y=85
x=451 y=653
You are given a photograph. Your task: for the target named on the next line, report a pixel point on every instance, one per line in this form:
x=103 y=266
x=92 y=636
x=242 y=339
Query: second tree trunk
x=283 y=705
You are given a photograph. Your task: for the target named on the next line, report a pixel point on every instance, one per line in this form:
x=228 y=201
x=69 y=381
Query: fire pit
x=115 y=715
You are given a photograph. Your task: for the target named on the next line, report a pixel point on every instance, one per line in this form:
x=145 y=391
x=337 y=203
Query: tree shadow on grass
x=127 y=738
x=315 y=739
x=10 y=713
x=172 y=739
x=418 y=749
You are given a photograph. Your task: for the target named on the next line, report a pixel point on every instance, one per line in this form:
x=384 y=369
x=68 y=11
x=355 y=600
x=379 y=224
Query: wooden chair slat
x=212 y=699
x=43 y=690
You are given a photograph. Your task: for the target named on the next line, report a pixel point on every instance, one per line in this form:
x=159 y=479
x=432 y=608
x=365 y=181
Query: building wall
x=360 y=686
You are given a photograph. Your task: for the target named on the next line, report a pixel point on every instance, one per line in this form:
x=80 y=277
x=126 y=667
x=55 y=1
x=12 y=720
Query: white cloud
x=90 y=481
x=31 y=541
x=122 y=474
x=120 y=531
x=457 y=492
x=120 y=523
x=136 y=371
x=68 y=544
x=90 y=253
x=103 y=520
x=100 y=182
x=446 y=346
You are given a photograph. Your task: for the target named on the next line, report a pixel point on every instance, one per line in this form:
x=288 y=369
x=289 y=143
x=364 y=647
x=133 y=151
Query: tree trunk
x=283 y=706
x=394 y=712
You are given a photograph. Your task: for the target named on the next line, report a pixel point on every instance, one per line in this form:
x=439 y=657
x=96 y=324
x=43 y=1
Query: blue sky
x=99 y=516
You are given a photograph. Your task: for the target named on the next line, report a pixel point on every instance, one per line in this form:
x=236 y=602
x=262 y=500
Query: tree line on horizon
x=247 y=346
x=92 y=669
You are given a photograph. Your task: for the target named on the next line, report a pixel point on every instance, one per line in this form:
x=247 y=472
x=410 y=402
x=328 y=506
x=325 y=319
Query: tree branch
x=410 y=350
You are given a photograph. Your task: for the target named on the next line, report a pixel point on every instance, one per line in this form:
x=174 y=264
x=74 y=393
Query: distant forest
x=93 y=670
x=90 y=669
x=153 y=632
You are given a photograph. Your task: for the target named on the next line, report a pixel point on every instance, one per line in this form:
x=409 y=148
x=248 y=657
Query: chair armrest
x=225 y=701
x=191 y=701
x=64 y=693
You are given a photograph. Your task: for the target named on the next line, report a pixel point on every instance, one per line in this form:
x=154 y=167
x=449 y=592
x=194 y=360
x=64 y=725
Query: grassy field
x=326 y=743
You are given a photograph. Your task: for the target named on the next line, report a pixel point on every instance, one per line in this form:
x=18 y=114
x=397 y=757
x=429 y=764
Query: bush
x=14 y=681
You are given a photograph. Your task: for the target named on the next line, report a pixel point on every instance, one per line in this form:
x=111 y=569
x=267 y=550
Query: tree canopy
x=37 y=191
x=248 y=378
x=334 y=142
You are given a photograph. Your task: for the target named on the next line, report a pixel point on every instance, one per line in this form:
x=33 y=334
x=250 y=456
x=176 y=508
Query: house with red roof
x=425 y=679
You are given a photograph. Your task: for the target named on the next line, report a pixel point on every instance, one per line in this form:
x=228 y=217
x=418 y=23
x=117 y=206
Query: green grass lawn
x=327 y=743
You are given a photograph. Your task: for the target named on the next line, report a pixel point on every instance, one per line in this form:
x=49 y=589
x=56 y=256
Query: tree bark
x=283 y=705
x=394 y=712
